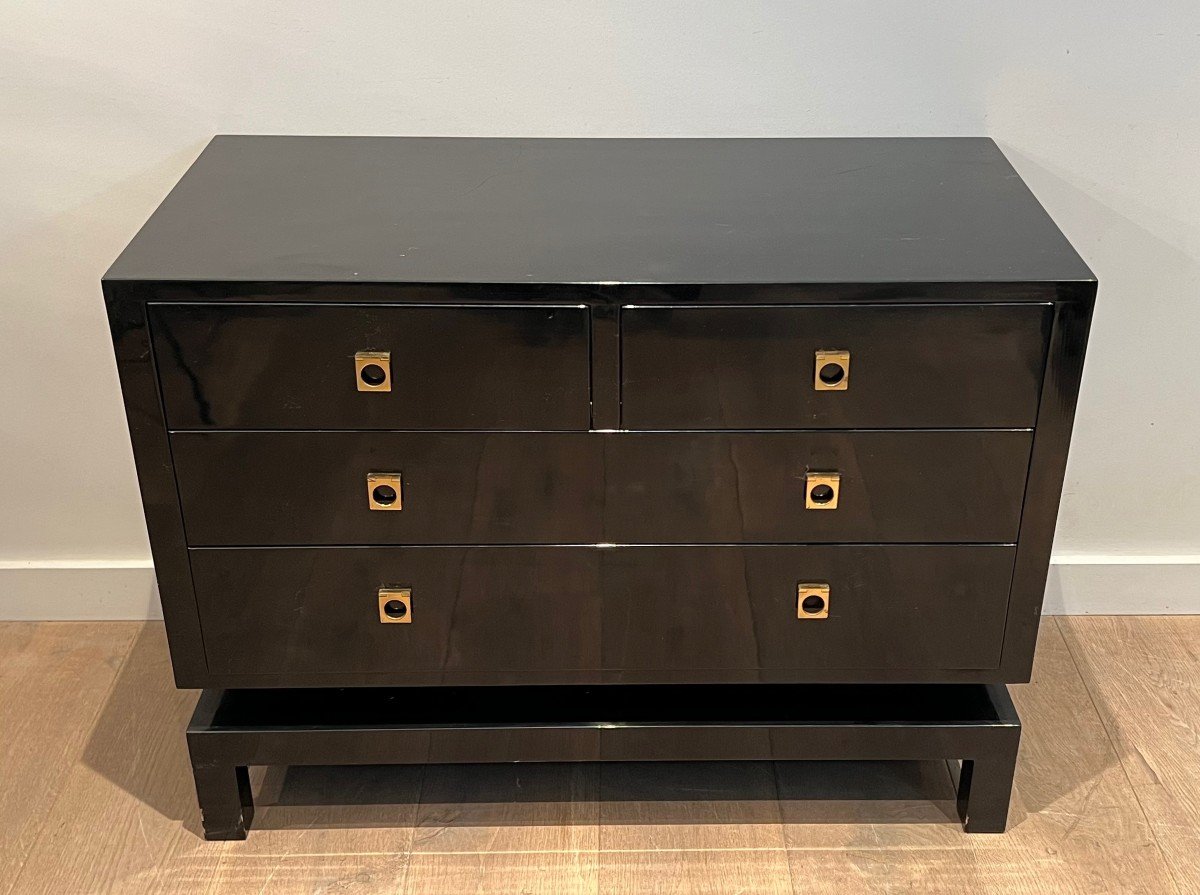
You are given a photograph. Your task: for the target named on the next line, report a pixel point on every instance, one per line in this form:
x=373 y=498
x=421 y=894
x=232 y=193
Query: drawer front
x=266 y=488
x=909 y=367
x=740 y=487
x=279 y=366
x=281 y=488
x=546 y=614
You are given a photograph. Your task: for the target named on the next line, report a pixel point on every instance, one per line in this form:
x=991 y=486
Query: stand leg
x=226 y=804
x=984 y=790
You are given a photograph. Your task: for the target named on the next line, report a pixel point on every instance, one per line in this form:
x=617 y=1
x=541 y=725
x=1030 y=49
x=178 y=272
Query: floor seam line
x=783 y=829
x=402 y=883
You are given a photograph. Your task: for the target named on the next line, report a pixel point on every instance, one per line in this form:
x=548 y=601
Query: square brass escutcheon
x=373 y=371
x=821 y=490
x=384 y=491
x=812 y=601
x=395 y=605
x=831 y=371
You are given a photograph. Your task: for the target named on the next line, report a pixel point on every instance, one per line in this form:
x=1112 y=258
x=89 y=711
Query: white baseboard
x=125 y=589
x=1109 y=584
x=71 y=590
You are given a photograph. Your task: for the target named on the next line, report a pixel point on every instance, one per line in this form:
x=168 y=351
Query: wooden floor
x=96 y=796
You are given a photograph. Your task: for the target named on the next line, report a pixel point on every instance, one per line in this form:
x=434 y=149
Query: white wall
x=103 y=106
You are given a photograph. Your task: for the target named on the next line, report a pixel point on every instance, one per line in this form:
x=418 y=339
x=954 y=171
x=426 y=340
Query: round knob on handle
x=831 y=374
x=385 y=495
x=813 y=604
x=395 y=609
x=821 y=494
x=372 y=374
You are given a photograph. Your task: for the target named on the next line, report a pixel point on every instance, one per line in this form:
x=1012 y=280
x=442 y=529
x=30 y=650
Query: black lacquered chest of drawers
x=519 y=413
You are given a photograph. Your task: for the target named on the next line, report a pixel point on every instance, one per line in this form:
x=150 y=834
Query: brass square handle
x=821 y=490
x=395 y=605
x=812 y=600
x=831 y=370
x=373 y=371
x=384 y=491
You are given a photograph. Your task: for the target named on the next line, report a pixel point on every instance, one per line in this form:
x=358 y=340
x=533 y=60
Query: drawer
x=910 y=366
x=266 y=488
x=547 y=614
x=735 y=487
x=289 y=366
x=280 y=488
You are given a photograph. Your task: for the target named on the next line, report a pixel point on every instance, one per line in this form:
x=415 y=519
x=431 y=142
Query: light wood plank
x=126 y=820
x=325 y=829
x=553 y=872
x=867 y=804
x=523 y=828
x=1074 y=823
x=708 y=827
x=54 y=678
x=1144 y=675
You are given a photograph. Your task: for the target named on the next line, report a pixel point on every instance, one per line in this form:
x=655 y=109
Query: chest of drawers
x=437 y=412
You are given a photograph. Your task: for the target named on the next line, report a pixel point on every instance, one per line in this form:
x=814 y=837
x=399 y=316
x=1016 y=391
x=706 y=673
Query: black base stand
x=233 y=729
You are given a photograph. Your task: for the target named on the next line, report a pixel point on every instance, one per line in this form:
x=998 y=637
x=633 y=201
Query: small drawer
x=818 y=367
x=573 y=614
x=488 y=610
x=289 y=366
x=280 y=488
x=738 y=608
x=815 y=487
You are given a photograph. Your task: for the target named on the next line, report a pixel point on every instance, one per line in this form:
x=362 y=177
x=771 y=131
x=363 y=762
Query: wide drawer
x=289 y=366
x=909 y=366
x=546 y=614
x=283 y=488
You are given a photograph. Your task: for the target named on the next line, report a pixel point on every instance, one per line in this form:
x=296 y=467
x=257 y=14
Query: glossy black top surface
x=506 y=210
